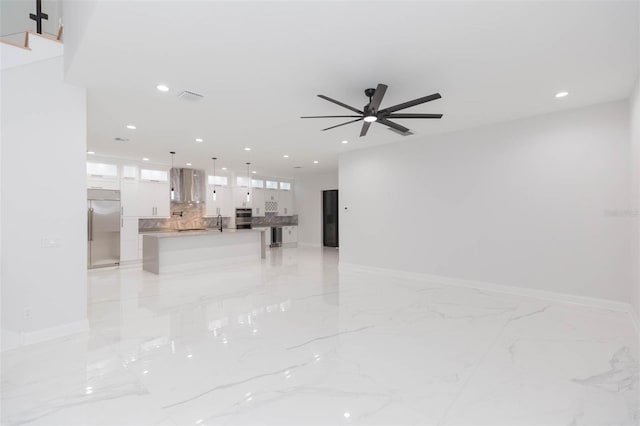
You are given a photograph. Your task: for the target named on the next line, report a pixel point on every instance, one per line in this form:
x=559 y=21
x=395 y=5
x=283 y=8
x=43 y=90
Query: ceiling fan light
x=370 y=118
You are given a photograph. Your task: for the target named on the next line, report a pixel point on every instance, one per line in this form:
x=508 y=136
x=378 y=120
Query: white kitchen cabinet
x=240 y=198
x=102 y=183
x=222 y=204
x=257 y=201
x=129 y=198
x=289 y=234
x=271 y=194
x=285 y=203
x=153 y=199
x=271 y=200
x=129 y=239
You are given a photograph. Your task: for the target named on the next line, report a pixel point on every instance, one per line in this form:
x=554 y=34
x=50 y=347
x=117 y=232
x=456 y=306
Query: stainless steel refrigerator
x=103 y=232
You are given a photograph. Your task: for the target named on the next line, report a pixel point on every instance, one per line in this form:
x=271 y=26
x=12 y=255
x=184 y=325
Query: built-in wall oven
x=243 y=218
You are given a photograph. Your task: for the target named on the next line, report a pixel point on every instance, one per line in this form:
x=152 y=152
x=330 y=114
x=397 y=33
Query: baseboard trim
x=12 y=340
x=610 y=305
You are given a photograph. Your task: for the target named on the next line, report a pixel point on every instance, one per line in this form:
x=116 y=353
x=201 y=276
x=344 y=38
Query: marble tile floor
x=292 y=341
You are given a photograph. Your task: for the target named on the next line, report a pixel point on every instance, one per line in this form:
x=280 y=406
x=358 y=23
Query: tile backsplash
x=192 y=216
x=183 y=216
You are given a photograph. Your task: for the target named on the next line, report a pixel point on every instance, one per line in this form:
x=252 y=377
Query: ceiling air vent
x=187 y=95
x=121 y=139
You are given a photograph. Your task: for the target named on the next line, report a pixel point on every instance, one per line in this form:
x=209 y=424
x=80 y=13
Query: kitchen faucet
x=219 y=222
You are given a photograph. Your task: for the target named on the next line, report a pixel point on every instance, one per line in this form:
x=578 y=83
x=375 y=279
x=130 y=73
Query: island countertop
x=209 y=232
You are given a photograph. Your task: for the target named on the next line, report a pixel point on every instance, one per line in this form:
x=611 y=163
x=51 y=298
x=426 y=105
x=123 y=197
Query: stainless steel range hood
x=189 y=185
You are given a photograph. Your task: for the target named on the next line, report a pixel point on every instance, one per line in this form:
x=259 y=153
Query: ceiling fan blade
x=377 y=97
x=331 y=116
x=392 y=125
x=343 y=124
x=326 y=98
x=365 y=128
x=409 y=104
x=401 y=115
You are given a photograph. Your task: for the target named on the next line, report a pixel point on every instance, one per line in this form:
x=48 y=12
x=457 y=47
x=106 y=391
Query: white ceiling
x=261 y=65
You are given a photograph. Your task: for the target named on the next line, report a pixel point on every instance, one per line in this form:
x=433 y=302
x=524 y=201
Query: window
x=285 y=185
x=129 y=172
x=242 y=181
x=272 y=184
x=218 y=180
x=257 y=183
x=155 y=175
x=102 y=169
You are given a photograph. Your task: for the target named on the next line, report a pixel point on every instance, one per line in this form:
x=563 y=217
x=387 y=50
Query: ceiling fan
x=372 y=113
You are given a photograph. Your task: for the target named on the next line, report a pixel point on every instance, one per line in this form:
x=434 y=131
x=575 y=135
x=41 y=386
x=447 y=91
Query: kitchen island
x=178 y=251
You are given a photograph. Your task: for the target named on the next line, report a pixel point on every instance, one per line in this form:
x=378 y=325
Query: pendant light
x=214 y=177
x=173 y=193
x=248 y=183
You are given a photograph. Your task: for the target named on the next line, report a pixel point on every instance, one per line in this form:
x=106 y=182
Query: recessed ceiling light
x=561 y=94
x=90 y=152
x=162 y=88
x=247 y=149
x=285 y=156
x=145 y=159
x=315 y=161
x=199 y=139
x=345 y=141
x=189 y=164
x=224 y=168
x=254 y=172
x=131 y=127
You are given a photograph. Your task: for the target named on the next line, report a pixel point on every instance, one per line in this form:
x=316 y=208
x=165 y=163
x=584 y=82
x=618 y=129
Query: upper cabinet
x=145 y=199
x=102 y=183
x=257 y=201
x=285 y=203
x=102 y=170
x=102 y=175
x=154 y=199
x=240 y=198
x=223 y=203
x=154 y=175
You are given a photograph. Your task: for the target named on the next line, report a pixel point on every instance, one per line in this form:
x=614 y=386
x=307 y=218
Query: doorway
x=330 y=218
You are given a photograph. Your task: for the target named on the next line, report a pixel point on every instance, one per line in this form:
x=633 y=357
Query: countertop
x=208 y=232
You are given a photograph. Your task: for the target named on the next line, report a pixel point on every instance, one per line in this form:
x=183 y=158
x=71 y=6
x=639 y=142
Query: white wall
x=532 y=203
x=634 y=205
x=308 y=205
x=43 y=197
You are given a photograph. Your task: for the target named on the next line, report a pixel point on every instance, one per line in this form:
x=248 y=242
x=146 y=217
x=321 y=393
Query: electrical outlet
x=26 y=313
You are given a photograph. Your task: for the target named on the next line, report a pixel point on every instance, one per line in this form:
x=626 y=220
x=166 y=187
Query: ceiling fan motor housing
x=369 y=92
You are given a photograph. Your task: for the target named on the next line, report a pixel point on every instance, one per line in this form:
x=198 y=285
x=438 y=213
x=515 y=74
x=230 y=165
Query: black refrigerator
x=330 y=218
